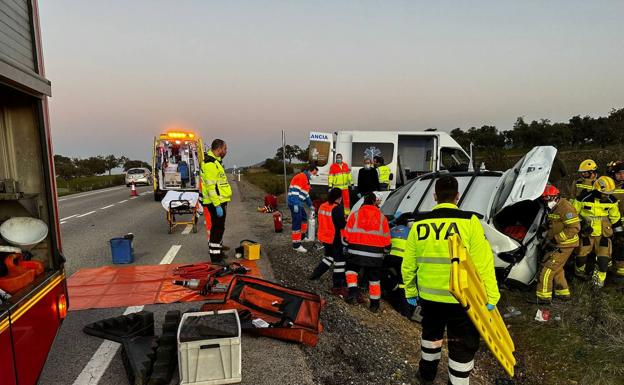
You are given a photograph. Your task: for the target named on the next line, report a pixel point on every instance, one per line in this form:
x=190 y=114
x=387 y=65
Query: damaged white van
x=507 y=202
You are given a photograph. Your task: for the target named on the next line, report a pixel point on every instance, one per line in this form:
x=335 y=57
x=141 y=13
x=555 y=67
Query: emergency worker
x=427 y=262
x=561 y=237
x=367 y=236
x=367 y=180
x=394 y=260
x=331 y=223
x=383 y=172
x=616 y=171
x=216 y=193
x=298 y=197
x=340 y=177
x=600 y=213
x=587 y=176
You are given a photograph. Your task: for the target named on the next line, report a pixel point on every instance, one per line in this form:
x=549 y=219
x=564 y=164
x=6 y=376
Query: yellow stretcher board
x=467 y=288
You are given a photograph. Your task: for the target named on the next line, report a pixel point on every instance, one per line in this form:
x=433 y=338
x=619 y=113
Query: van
x=176 y=162
x=409 y=154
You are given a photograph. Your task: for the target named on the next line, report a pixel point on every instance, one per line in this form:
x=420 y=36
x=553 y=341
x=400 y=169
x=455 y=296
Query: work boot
x=580 y=273
x=563 y=298
x=422 y=381
x=300 y=249
x=538 y=301
x=353 y=294
x=374 y=305
x=306 y=239
x=341 y=292
x=597 y=280
x=318 y=272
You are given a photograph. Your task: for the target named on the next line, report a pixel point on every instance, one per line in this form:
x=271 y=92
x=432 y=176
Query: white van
x=407 y=153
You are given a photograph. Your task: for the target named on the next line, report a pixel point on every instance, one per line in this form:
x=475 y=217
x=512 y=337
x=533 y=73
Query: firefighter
x=298 y=196
x=561 y=237
x=340 y=177
x=367 y=236
x=587 y=176
x=216 y=193
x=616 y=171
x=383 y=172
x=331 y=222
x=427 y=261
x=599 y=210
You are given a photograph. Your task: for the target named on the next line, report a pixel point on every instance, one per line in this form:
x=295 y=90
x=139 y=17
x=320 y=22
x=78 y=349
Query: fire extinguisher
x=277 y=221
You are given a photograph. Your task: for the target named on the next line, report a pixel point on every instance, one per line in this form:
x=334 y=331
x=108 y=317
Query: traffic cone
x=133 y=191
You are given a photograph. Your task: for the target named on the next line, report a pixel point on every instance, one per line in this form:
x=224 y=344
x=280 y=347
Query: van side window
x=453 y=159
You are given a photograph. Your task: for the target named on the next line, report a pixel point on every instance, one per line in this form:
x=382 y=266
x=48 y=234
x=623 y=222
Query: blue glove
x=490 y=307
x=219 y=211
x=412 y=301
x=296 y=209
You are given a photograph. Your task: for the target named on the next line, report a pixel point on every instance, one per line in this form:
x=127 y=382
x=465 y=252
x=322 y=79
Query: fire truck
x=33 y=302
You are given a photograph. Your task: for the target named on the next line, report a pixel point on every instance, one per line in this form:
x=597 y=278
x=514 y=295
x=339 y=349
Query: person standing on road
x=298 y=196
x=383 y=173
x=331 y=222
x=427 y=261
x=367 y=236
x=340 y=177
x=561 y=238
x=598 y=208
x=216 y=192
x=616 y=171
x=367 y=180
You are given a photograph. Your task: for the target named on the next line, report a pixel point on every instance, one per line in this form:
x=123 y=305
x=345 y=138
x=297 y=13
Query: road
x=88 y=221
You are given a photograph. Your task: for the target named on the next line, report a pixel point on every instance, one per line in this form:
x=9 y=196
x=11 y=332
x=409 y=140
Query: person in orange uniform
x=367 y=236
x=298 y=197
x=562 y=236
x=331 y=222
x=340 y=177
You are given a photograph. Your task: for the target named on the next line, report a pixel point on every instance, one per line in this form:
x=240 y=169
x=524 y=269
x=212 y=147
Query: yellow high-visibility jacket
x=426 y=265
x=215 y=186
x=340 y=176
x=384 y=174
x=601 y=214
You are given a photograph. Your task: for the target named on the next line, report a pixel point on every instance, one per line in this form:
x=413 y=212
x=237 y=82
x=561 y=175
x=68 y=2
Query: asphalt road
x=88 y=221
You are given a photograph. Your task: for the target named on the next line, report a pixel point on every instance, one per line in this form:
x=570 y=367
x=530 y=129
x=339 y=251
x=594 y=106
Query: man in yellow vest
x=216 y=192
x=384 y=173
x=340 y=177
x=599 y=209
x=427 y=261
x=616 y=171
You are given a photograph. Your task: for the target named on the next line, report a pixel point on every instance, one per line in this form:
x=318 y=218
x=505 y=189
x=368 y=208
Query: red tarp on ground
x=112 y=286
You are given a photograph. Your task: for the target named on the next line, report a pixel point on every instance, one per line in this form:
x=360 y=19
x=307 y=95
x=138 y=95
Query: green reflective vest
x=384 y=174
x=426 y=264
x=215 y=186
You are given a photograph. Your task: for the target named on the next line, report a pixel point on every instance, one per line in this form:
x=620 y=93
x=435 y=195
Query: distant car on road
x=139 y=175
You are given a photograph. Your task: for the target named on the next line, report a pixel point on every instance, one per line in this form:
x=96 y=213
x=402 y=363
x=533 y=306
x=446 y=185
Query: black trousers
x=334 y=257
x=216 y=231
x=462 y=336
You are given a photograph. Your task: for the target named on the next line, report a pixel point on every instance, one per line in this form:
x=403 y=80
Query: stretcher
x=181 y=203
x=467 y=288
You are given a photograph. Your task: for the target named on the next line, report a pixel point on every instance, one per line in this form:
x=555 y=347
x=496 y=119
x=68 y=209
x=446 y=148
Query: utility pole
x=284 y=161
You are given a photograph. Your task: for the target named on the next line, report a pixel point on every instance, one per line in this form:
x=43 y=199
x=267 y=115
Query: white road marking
x=62 y=222
x=85 y=214
x=91 y=193
x=134 y=198
x=125 y=200
x=145 y=193
x=71 y=216
x=101 y=359
x=106 y=207
x=187 y=229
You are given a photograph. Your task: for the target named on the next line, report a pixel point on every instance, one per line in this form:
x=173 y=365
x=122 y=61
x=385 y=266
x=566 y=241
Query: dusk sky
x=122 y=71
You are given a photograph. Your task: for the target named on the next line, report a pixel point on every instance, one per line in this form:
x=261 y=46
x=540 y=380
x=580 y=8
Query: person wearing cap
x=598 y=208
x=331 y=222
x=426 y=269
x=340 y=177
x=616 y=171
x=367 y=237
x=561 y=238
x=587 y=176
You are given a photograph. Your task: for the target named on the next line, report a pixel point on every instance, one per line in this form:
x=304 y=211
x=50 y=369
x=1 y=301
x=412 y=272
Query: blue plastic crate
x=121 y=249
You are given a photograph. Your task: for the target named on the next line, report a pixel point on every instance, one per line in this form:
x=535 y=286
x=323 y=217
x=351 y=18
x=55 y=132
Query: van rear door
x=321 y=147
x=368 y=144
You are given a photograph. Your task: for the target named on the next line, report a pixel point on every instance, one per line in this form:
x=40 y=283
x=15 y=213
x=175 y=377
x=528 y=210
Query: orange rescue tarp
x=112 y=286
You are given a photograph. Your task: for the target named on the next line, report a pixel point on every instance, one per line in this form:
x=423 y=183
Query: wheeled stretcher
x=178 y=203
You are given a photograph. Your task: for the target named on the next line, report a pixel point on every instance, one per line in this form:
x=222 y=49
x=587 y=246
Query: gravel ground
x=357 y=346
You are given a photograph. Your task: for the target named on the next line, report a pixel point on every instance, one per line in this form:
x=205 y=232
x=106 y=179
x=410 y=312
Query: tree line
x=68 y=168
x=578 y=131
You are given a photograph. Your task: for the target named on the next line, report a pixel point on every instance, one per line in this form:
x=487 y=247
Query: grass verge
x=267 y=181
x=76 y=185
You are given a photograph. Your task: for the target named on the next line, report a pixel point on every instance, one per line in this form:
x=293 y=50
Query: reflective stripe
x=570 y=241
x=374 y=289
x=339 y=270
x=431 y=356
x=563 y=236
x=434 y=260
x=366 y=253
x=340 y=263
x=327 y=262
x=545 y=282
x=401 y=250
x=454 y=380
x=323 y=212
x=573 y=220
x=431 y=344
x=461 y=366
x=212 y=251
x=440 y=292
x=214 y=245
x=544 y=295
x=564 y=292
x=357 y=230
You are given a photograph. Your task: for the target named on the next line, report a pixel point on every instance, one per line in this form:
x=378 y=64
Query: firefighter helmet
x=587 y=165
x=615 y=167
x=550 y=191
x=604 y=184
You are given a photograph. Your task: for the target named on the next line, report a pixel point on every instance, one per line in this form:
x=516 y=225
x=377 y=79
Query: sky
x=242 y=71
